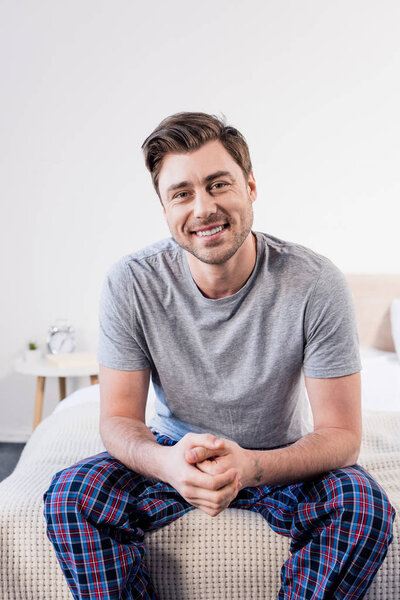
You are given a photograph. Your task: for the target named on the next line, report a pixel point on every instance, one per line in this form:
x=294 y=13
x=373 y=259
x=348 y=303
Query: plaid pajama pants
x=97 y=512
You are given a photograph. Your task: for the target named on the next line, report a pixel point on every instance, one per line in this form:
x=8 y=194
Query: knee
x=69 y=487
x=366 y=509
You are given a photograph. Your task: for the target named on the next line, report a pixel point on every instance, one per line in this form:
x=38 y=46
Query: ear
x=162 y=204
x=252 y=187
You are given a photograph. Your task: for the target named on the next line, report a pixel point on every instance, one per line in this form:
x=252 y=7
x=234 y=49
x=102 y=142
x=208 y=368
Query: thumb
x=200 y=453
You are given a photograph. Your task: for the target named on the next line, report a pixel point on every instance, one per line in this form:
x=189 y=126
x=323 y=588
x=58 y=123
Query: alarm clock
x=61 y=339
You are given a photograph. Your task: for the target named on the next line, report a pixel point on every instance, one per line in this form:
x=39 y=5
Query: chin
x=217 y=255
x=213 y=258
x=221 y=252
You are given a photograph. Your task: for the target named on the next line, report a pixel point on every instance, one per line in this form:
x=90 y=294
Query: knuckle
x=184 y=479
x=185 y=490
x=219 y=499
x=221 y=480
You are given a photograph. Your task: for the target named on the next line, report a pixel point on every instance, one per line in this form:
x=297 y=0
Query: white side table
x=42 y=369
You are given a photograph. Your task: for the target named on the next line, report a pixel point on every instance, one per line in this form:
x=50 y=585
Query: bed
x=234 y=556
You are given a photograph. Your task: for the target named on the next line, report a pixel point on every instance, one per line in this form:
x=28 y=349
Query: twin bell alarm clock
x=61 y=339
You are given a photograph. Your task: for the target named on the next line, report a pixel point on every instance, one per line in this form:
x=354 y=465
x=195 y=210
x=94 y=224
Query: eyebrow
x=176 y=186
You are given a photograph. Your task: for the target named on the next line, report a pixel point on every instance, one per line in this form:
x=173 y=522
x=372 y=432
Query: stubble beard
x=215 y=256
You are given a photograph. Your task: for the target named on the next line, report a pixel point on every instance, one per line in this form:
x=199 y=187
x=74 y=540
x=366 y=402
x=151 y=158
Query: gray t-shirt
x=231 y=366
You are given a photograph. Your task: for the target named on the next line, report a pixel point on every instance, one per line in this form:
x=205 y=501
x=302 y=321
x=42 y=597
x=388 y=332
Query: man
x=225 y=320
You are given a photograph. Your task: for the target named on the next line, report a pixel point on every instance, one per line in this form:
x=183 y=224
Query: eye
x=219 y=185
x=180 y=196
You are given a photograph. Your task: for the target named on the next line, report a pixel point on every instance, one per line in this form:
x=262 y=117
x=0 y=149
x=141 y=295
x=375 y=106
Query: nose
x=204 y=205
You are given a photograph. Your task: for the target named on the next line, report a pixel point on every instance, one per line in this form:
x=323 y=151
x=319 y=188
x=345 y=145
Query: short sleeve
x=331 y=338
x=118 y=347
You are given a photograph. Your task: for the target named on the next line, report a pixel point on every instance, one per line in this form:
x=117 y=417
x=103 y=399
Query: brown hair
x=187 y=131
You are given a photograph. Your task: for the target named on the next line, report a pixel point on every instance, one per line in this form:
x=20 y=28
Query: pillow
x=395 y=319
x=380 y=380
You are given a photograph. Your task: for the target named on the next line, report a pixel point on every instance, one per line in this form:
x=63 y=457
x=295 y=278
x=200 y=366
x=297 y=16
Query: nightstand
x=42 y=369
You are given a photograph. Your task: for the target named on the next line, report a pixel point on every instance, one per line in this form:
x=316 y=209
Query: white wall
x=313 y=85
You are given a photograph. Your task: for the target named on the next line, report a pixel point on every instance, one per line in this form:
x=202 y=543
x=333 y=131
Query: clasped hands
x=208 y=471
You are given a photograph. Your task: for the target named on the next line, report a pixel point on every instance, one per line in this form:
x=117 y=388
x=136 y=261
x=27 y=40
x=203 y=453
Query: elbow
x=352 y=460
x=102 y=432
x=353 y=451
x=355 y=456
x=104 y=428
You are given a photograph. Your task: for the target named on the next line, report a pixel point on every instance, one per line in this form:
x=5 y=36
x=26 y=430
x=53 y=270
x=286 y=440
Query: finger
x=212 y=512
x=207 y=440
x=206 y=467
x=199 y=502
x=211 y=482
x=222 y=480
x=214 y=499
x=212 y=467
x=200 y=453
x=203 y=506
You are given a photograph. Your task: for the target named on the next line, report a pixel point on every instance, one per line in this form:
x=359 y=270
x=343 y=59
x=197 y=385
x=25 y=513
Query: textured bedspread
x=234 y=556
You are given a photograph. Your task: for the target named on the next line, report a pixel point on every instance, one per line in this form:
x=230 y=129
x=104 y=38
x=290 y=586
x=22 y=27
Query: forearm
x=313 y=454
x=132 y=443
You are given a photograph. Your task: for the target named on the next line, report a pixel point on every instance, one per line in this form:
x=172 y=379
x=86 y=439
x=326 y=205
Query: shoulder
x=148 y=259
x=280 y=251
x=161 y=249
x=295 y=262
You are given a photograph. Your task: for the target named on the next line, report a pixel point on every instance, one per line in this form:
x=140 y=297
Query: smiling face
x=207 y=202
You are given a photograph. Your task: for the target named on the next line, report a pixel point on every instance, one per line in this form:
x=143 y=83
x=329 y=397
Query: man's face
x=207 y=202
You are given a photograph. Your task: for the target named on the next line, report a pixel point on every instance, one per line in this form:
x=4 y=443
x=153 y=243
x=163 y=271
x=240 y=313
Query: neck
x=220 y=281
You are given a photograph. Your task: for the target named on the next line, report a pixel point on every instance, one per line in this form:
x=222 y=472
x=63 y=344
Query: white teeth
x=210 y=231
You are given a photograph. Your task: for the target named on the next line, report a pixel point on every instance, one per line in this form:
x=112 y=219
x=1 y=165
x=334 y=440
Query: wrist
x=255 y=460
x=151 y=459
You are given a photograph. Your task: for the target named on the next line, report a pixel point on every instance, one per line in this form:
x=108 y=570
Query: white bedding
x=380 y=377
x=91 y=394
x=380 y=380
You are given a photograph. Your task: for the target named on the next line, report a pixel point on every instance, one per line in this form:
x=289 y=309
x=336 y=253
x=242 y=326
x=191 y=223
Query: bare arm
x=123 y=397
x=334 y=443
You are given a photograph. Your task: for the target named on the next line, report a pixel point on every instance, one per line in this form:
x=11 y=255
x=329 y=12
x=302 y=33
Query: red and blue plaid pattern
x=98 y=510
